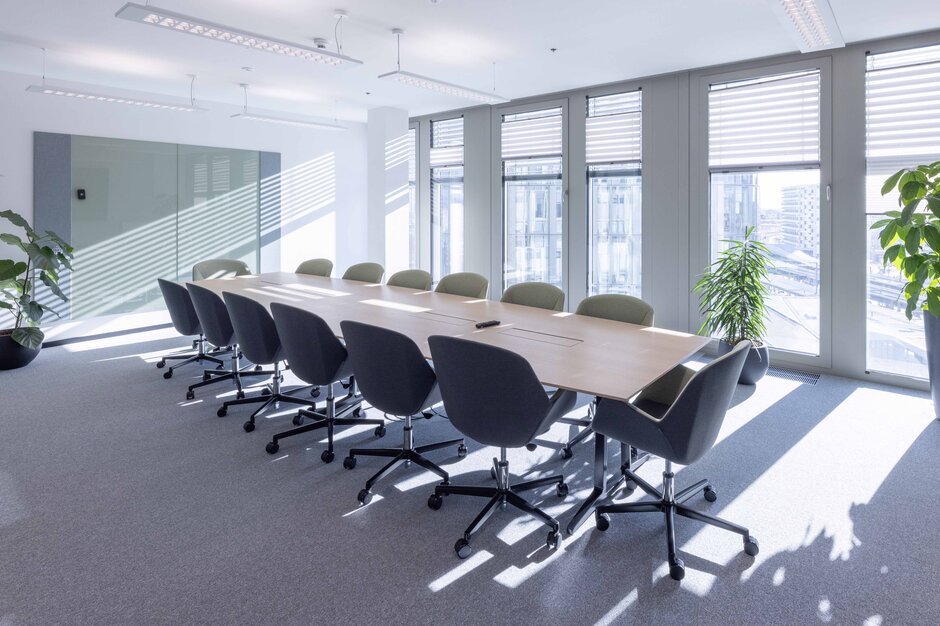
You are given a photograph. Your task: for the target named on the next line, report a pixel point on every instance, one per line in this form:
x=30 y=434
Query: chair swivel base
x=197 y=356
x=407 y=454
x=503 y=494
x=211 y=377
x=270 y=396
x=671 y=504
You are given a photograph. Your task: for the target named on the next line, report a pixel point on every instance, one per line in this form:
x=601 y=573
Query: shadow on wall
x=400 y=226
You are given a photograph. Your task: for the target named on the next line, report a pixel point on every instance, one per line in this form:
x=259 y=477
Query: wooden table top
x=586 y=354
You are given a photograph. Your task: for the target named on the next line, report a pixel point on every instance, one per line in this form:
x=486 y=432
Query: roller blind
x=765 y=121
x=447 y=142
x=902 y=104
x=532 y=134
x=613 y=128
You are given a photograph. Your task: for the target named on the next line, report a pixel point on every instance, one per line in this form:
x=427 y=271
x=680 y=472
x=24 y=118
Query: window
x=612 y=140
x=446 y=197
x=412 y=198
x=531 y=148
x=764 y=166
x=902 y=129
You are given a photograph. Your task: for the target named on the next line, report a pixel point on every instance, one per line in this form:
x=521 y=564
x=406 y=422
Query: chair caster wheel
x=602 y=521
x=630 y=486
x=161 y=364
x=248 y=426
x=358 y=412
x=566 y=453
x=240 y=395
x=379 y=431
x=710 y=494
x=364 y=497
x=168 y=374
x=327 y=456
x=272 y=447
x=190 y=395
x=462 y=548
x=258 y=368
x=427 y=414
x=677 y=570
x=561 y=490
x=493 y=473
x=750 y=546
x=265 y=392
x=221 y=412
x=205 y=378
x=531 y=447
x=315 y=392
x=349 y=462
x=461 y=451
x=553 y=540
x=435 y=502
x=297 y=420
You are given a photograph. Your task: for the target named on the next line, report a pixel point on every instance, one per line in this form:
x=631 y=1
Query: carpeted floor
x=120 y=503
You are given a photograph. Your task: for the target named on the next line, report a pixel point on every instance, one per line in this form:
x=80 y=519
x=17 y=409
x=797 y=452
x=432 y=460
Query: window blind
x=447 y=142
x=902 y=103
x=412 y=154
x=765 y=121
x=613 y=128
x=532 y=134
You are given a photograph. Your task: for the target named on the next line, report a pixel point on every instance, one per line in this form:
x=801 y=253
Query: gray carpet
x=122 y=504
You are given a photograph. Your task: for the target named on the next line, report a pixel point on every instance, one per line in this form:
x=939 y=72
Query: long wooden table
x=585 y=354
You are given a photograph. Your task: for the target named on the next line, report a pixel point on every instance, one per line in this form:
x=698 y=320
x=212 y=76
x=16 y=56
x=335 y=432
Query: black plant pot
x=12 y=354
x=932 y=331
x=757 y=362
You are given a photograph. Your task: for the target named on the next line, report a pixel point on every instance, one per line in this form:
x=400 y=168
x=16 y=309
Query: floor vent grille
x=807 y=378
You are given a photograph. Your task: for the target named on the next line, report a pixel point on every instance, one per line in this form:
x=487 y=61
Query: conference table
x=594 y=356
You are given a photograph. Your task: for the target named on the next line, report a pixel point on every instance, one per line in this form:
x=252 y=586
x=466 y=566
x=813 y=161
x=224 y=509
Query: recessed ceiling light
x=810 y=22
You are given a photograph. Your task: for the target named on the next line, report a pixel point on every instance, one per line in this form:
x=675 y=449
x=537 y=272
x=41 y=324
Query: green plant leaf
x=912 y=240
x=932 y=236
x=41 y=256
x=11 y=269
x=891 y=182
x=892 y=253
x=880 y=224
x=28 y=336
x=52 y=285
x=933 y=301
x=909 y=209
x=888 y=234
x=13 y=240
x=18 y=220
x=64 y=259
x=33 y=310
x=933 y=203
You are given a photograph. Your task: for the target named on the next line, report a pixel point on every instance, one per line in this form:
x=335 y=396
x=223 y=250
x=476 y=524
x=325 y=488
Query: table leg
x=600 y=483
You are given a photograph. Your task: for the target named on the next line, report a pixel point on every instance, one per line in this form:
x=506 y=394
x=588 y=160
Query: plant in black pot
x=910 y=238
x=46 y=255
x=732 y=292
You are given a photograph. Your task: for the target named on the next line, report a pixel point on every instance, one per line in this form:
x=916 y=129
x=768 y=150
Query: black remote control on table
x=488 y=324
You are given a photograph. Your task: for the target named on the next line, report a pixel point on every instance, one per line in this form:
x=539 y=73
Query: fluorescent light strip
x=415 y=80
x=813 y=21
x=78 y=94
x=181 y=23
x=287 y=121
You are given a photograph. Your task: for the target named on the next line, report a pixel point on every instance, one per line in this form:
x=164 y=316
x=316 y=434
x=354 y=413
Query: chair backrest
x=219 y=268
x=490 y=394
x=314 y=353
x=180 y=307
x=617 y=307
x=391 y=372
x=213 y=315
x=254 y=328
x=315 y=267
x=692 y=423
x=535 y=294
x=413 y=279
x=466 y=284
x=366 y=272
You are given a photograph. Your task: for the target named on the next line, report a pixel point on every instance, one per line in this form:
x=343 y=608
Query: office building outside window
x=446 y=197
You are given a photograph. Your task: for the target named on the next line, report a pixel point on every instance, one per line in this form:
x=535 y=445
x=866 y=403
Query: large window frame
x=414 y=195
x=445 y=175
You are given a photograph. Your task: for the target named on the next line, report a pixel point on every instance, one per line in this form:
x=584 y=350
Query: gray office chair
x=681 y=431
x=186 y=323
x=317 y=357
x=396 y=379
x=365 y=272
x=217 y=327
x=492 y=396
x=412 y=279
x=315 y=267
x=619 y=308
x=219 y=268
x=259 y=341
x=466 y=284
x=535 y=294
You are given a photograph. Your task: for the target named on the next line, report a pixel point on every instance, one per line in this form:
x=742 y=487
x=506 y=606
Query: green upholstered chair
x=412 y=279
x=365 y=272
x=535 y=294
x=466 y=284
x=219 y=268
x=315 y=267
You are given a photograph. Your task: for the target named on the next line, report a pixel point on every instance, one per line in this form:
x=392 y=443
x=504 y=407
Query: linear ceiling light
x=70 y=92
x=812 y=23
x=245 y=115
x=178 y=22
x=450 y=89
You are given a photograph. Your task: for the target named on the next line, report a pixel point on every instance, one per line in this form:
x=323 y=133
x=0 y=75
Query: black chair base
x=270 y=396
x=671 y=504
x=211 y=377
x=197 y=355
x=503 y=494
x=408 y=453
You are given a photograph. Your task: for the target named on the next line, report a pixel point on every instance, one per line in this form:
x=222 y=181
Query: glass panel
x=532 y=201
x=783 y=206
x=615 y=209
x=446 y=221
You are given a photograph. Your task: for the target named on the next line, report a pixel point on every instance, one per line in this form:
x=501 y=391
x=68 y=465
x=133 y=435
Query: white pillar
x=387 y=181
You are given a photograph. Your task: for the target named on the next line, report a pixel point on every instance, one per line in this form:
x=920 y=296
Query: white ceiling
x=598 y=41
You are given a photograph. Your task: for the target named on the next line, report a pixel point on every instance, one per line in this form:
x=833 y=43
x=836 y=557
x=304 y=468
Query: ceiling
x=597 y=41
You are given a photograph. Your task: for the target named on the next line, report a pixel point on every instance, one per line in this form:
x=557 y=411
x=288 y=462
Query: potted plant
x=732 y=292
x=910 y=238
x=46 y=255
